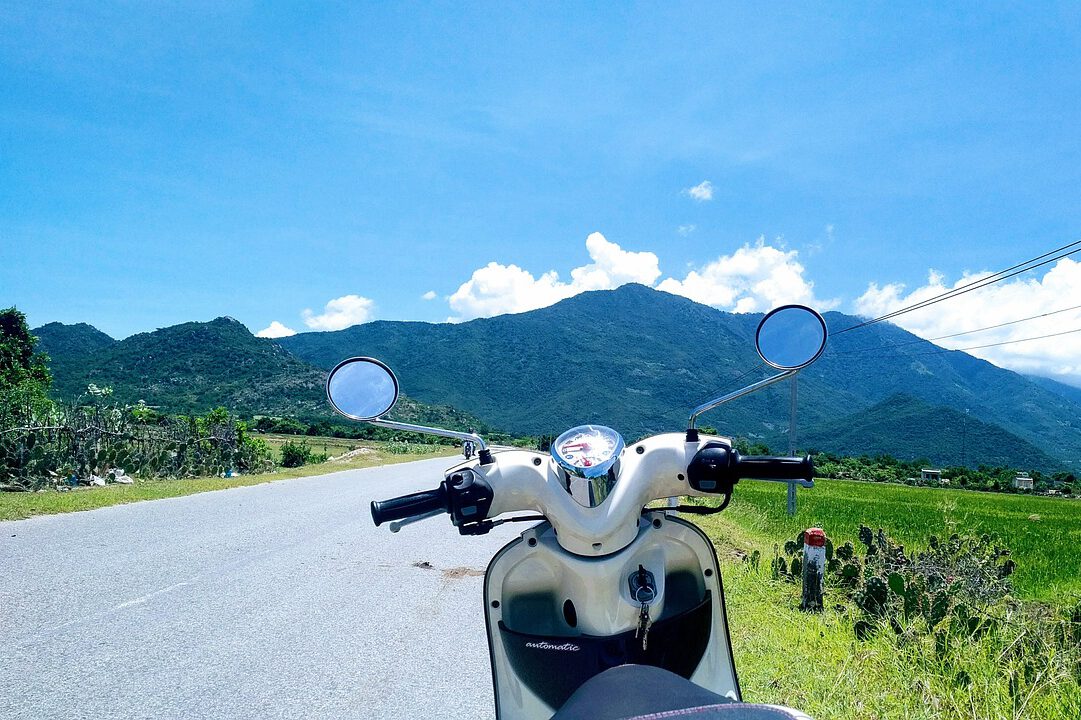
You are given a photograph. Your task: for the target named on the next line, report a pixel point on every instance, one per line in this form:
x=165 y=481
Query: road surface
x=272 y=601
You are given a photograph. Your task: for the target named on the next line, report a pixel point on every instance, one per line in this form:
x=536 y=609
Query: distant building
x=1022 y=481
x=932 y=477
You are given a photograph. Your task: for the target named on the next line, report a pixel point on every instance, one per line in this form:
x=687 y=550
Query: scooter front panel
x=556 y=619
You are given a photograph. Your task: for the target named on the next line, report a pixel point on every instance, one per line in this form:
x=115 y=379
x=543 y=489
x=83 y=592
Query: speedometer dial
x=587 y=450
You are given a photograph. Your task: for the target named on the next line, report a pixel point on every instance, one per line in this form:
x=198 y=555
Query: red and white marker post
x=814 y=568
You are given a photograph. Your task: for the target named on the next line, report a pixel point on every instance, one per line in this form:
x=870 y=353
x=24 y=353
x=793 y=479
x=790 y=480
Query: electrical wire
x=939 y=351
x=1009 y=272
x=953 y=335
x=1011 y=342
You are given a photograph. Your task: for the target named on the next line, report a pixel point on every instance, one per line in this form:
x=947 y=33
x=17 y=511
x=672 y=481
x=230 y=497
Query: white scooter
x=605 y=608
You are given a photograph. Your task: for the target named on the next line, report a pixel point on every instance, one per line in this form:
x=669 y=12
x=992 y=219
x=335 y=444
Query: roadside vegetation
x=92 y=452
x=968 y=607
x=19 y=505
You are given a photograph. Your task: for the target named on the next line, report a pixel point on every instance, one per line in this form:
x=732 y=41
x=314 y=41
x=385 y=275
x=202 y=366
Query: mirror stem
x=692 y=433
x=482 y=447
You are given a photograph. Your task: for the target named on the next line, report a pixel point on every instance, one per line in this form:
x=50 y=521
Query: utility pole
x=964 y=439
x=792 y=445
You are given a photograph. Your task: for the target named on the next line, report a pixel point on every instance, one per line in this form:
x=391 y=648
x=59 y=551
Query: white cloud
x=496 y=288
x=430 y=295
x=686 y=230
x=755 y=278
x=275 y=330
x=1020 y=297
x=702 y=192
x=340 y=313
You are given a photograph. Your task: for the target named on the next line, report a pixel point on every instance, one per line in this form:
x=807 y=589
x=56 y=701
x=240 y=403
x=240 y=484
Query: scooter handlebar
x=406 y=506
x=765 y=467
x=716 y=468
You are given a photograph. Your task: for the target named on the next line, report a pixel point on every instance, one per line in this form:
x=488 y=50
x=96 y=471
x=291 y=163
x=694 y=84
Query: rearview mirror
x=791 y=337
x=362 y=388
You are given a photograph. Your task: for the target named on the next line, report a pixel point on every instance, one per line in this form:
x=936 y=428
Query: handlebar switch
x=713 y=469
x=470 y=497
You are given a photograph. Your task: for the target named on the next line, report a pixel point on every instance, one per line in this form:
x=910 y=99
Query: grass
x=813 y=661
x=1043 y=534
x=329 y=446
x=16 y=506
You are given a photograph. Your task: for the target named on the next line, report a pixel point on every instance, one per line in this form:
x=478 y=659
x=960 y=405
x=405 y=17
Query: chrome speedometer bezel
x=595 y=469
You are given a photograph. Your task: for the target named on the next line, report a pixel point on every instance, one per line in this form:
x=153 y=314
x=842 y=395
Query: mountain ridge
x=634 y=358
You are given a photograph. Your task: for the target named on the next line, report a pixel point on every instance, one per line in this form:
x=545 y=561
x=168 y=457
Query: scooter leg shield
x=556 y=619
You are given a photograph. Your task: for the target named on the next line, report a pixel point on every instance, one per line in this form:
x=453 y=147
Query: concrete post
x=814 y=568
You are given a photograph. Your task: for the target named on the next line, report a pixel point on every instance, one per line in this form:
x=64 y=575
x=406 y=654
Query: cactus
x=846 y=551
x=780 y=567
x=872 y=598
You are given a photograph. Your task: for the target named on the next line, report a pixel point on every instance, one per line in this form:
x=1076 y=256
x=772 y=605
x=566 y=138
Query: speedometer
x=588 y=451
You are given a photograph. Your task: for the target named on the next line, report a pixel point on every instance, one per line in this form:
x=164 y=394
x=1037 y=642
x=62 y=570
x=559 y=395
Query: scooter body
x=556 y=619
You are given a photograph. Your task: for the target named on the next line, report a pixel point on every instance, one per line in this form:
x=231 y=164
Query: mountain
x=70 y=346
x=633 y=358
x=1069 y=392
x=194 y=367
x=909 y=429
x=191 y=367
x=639 y=359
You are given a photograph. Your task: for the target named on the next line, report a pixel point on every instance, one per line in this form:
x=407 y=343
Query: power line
x=1009 y=272
x=1011 y=342
x=957 y=334
x=939 y=351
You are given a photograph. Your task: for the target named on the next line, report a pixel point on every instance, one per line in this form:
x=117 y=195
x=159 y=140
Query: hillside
x=190 y=367
x=69 y=347
x=194 y=367
x=909 y=429
x=633 y=358
x=639 y=359
x=1071 y=393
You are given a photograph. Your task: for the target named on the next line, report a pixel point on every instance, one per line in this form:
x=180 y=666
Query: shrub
x=296 y=454
x=46 y=444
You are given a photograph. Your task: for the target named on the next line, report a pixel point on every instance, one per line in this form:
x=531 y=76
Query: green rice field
x=1043 y=534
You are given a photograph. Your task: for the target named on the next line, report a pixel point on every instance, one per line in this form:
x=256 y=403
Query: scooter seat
x=644 y=692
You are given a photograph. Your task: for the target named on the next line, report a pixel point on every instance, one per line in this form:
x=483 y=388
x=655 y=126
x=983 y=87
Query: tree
x=19 y=360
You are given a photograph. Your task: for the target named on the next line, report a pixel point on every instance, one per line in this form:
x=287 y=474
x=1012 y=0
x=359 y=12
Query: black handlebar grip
x=763 y=467
x=406 y=506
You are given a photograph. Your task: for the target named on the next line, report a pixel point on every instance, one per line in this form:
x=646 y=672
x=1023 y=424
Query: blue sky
x=165 y=162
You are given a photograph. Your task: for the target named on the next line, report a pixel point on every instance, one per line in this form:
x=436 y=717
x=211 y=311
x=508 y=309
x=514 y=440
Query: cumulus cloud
x=340 y=313
x=430 y=295
x=497 y=289
x=1021 y=297
x=702 y=192
x=755 y=278
x=275 y=330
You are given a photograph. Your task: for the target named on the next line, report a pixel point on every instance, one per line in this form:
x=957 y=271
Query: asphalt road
x=273 y=601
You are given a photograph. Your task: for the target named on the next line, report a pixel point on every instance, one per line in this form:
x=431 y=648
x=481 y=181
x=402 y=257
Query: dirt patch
x=460 y=572
x=351 y=454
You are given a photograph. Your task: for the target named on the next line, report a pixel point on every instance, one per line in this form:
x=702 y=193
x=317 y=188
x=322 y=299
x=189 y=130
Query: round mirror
x=362 y=388
x=791 y=337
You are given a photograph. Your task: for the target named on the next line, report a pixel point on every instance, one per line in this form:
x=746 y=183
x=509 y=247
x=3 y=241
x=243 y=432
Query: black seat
x=643 y=692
